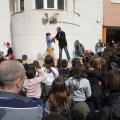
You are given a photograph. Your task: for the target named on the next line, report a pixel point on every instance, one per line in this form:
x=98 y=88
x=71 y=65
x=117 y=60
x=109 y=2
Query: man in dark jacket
x=60 y=36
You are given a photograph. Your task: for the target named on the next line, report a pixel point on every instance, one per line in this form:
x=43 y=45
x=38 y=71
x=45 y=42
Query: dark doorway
x=113 y=33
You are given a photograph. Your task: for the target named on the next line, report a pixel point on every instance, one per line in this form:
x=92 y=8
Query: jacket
x=114 y=102
x=81 y=89
x=33 y=86
x=61 y=37
x=49 y=42
x=16 y=107
x=79 y=49
x=97 y=47
x=9 y=51
x=94 y=76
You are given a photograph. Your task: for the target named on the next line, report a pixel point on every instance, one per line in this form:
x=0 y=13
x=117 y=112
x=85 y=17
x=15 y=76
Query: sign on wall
x=115 y=1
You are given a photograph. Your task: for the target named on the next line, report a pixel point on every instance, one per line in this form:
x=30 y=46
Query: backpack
x=113 y=115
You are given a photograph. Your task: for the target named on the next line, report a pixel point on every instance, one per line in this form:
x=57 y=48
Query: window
x=19 y=5
x=48 y=4
x=60 y=4
x=39 y=4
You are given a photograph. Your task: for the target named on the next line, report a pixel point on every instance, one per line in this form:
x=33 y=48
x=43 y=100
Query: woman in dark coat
x=112 y=109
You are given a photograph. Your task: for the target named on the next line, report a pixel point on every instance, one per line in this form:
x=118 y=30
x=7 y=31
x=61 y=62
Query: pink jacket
x=33 y=86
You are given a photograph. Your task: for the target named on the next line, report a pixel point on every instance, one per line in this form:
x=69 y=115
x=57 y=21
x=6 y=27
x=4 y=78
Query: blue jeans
x=66 y=51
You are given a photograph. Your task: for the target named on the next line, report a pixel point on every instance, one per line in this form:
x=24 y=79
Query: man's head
x=12 y=75
x=8 y=45
x=58 y=29
x=24 y=57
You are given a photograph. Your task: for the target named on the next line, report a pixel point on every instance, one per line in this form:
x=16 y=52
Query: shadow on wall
x=50 y=21
x=44 y=21
x=42 y=57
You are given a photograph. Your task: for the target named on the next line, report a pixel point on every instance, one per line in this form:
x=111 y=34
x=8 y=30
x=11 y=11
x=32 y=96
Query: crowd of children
x=86 y=90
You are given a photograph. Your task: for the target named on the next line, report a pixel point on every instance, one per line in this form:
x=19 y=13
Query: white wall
x=5 y=19
x=29 y=28
x=90 y=31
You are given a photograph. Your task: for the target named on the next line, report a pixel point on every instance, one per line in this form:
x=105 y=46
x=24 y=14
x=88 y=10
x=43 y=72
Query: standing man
x=98 y=46
x=79 y=49
x=60 y=36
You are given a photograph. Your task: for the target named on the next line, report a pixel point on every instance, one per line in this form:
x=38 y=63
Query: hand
x=99 y=83
x=37 y=69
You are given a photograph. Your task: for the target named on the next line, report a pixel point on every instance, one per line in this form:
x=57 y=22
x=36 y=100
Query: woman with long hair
x=79 y=85
x=59 y=101
x=80 y=90
x=51 y=72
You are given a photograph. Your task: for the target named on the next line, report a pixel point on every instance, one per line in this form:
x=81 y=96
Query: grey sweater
x=81 y=89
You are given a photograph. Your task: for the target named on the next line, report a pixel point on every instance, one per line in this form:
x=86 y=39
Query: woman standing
x=79 y=49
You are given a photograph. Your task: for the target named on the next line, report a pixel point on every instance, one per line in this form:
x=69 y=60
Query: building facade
x=30 y=20
x=5 y=24
x=111 y=24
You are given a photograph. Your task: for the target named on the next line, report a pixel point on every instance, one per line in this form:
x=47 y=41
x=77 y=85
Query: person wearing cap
x=9 y=51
